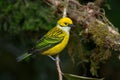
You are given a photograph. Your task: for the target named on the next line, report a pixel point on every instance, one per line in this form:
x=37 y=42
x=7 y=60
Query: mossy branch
x=95 y=27
x=89 y=16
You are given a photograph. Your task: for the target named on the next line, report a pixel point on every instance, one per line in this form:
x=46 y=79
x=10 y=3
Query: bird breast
x=58 y=48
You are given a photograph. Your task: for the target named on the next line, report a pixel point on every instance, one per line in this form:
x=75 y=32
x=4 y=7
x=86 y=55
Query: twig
x=57 y=57
x=58 y=67
x=65 y=8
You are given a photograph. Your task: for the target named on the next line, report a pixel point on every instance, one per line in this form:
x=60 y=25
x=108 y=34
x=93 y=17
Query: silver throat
x=66 y=29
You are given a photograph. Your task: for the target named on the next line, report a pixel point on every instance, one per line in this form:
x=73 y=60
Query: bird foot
x=54 y=59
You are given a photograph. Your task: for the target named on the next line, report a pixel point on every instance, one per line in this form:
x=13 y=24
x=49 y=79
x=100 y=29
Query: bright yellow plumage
x=59 y=47
x=54 y=41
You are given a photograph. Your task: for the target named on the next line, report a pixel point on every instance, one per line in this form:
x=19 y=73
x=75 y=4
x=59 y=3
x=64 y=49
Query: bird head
x=65 y=22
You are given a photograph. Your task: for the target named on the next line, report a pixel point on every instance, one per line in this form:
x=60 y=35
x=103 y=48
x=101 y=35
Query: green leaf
x=76 y=77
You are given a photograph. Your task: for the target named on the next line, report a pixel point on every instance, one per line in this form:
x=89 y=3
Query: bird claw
x=54 y=59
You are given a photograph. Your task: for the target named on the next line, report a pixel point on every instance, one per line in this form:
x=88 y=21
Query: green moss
x=101 y=34
x=25 y=15
x=98 y=33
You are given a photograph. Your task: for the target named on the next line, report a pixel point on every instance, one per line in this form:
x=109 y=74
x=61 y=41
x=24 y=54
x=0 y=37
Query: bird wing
x=47 y=42
x=42 y=45
x=52 y=38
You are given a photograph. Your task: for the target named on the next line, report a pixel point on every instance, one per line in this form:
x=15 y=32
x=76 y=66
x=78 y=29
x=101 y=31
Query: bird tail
x=22 y=57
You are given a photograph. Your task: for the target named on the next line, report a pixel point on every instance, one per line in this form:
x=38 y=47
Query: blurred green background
x=22 y=23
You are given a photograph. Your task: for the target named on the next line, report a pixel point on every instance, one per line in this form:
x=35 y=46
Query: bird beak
x=71 y=25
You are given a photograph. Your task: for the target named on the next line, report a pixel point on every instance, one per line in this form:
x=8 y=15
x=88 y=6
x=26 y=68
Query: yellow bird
x=54 y=41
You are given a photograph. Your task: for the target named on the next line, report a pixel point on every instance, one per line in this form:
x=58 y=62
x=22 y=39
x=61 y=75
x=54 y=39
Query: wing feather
x=52 y=38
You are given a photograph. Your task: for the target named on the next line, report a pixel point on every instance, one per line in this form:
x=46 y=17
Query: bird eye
x=66 y=23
